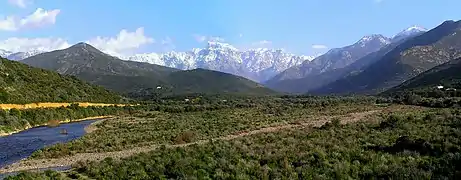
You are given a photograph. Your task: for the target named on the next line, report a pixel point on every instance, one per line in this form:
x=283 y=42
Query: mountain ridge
x=258 y=64
x=303 y=83
x=405 y=61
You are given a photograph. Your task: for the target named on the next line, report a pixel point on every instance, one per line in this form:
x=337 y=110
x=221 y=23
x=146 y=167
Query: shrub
x=185 y=137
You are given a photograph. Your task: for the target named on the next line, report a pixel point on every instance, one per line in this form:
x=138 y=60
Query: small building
x=439 y=87
x=159 y=87
x=187 y=100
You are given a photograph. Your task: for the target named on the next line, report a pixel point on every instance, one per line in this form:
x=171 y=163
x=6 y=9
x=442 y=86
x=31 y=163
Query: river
x=21 y=145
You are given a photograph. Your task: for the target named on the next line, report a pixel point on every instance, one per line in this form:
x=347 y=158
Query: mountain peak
x=85 y=47
x=413 y=30
x=373 y=37
x=81 y=45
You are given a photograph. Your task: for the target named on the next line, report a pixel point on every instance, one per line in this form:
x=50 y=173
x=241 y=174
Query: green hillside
x=211 y=82
x=204 y=82
x=20 y=83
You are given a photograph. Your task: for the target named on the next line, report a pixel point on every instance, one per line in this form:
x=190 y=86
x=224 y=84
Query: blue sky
x=294 y=25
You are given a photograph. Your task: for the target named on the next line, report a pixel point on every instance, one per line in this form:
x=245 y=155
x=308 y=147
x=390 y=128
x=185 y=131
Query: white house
x=439 y=87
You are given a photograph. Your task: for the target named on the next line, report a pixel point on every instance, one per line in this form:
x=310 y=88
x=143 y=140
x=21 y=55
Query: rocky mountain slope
x=334 y=59
x=407 y=60
x=20 y=83
x=90 y=64
x=446 y=75
x=339 y=62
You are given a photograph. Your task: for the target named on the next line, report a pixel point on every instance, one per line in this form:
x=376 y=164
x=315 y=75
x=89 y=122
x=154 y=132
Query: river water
x=21 y=145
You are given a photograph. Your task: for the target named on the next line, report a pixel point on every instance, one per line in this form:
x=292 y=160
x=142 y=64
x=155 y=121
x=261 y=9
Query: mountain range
x=408 y=59
x=129 y=77
x=258 y=64
x=339 y=62
x=371 y=65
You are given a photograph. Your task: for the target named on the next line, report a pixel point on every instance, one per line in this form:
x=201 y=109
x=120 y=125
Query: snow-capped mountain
x=258 y=64
x=16 y=56
x=411 y=31
x=372 y=40
x=4 y=53
x=334 y=59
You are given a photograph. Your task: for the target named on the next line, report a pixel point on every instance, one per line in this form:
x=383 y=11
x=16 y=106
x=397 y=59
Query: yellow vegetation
x=53 y=123
x=52 y=105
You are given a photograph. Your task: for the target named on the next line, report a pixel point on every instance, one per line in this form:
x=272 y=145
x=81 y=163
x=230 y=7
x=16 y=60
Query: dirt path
x=31 y=164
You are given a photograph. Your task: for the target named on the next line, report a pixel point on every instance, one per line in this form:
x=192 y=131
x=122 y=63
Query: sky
x=304 y=27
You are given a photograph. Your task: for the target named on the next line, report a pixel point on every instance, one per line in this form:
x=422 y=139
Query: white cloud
x=8 y=24
x=124 y=43
x=40 y=18
x=319 y=46
x=37 y=19
x=20 y=3
x=15 y=44
x=240 y=35
x=201 y=38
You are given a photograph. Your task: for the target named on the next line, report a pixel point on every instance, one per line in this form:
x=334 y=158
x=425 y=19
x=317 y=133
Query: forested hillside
x=20 y=83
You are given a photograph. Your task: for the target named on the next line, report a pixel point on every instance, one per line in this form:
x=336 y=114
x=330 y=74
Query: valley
x=274 y=137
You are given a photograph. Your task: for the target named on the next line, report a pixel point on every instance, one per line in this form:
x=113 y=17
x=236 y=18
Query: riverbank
x=22 y=145
x=28 y=126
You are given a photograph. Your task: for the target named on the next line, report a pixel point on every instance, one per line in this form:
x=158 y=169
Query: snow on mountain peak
x=308 y=58
x=409 y=32
x=416 y=28
x=4 y=53
x=258 y=64
x=19 y=55
x=370 y=38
